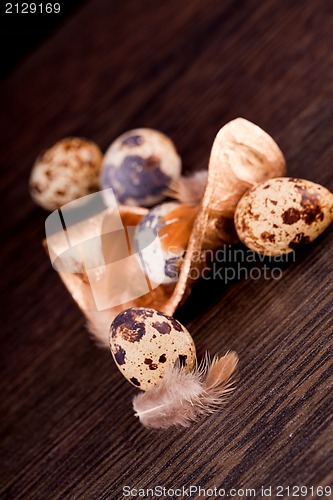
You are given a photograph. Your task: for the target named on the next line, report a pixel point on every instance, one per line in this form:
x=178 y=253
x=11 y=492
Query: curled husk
x=242 y=156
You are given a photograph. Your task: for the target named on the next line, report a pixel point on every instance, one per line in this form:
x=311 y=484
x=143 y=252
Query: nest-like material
x=242 y=156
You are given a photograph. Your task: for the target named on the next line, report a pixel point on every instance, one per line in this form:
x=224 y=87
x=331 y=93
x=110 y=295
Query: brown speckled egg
x=68 y=170
x=162 y=259
x=146 y=344
x=279 y=215
x=139 y=166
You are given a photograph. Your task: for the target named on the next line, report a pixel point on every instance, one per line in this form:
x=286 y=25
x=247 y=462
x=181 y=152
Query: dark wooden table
x=186 y=68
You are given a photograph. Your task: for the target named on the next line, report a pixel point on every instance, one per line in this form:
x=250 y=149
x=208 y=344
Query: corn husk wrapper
x=242 y=156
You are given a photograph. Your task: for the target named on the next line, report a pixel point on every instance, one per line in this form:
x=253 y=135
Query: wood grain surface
x=185 y=68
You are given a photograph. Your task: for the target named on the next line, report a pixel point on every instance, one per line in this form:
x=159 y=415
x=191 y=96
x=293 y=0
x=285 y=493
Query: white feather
x=181 y=397
x=189 y=189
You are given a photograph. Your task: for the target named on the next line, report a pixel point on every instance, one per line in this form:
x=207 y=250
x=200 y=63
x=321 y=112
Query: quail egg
x=279 y=215
x=66 y=171
x=139 y=166
x=161 y=239
x=146 y=344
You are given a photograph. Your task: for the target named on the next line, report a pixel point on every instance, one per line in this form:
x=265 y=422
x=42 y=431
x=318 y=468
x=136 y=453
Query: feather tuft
x=181 y=397
x=98 y=325
x=189 y=189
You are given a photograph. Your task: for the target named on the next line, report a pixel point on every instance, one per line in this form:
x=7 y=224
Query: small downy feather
x=98 y=325
x=181 y=397
x=189 y=189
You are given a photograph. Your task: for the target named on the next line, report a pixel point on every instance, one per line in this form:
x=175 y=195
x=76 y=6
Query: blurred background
x=21 y=34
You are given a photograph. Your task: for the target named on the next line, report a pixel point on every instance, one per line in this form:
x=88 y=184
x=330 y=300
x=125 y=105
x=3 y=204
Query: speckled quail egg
x=279 y=215
x=161 y=239
x=139 y=166
x=146 y=344
x=66 y=171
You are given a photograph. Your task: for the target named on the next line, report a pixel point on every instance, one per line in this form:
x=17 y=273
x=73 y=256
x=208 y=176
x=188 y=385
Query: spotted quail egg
x=139 y=166
x=279 y=215
x=161 y=239
x=66 y=171
x=146 y=344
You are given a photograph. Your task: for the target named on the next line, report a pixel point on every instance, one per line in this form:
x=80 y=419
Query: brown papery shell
x=242 y=156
